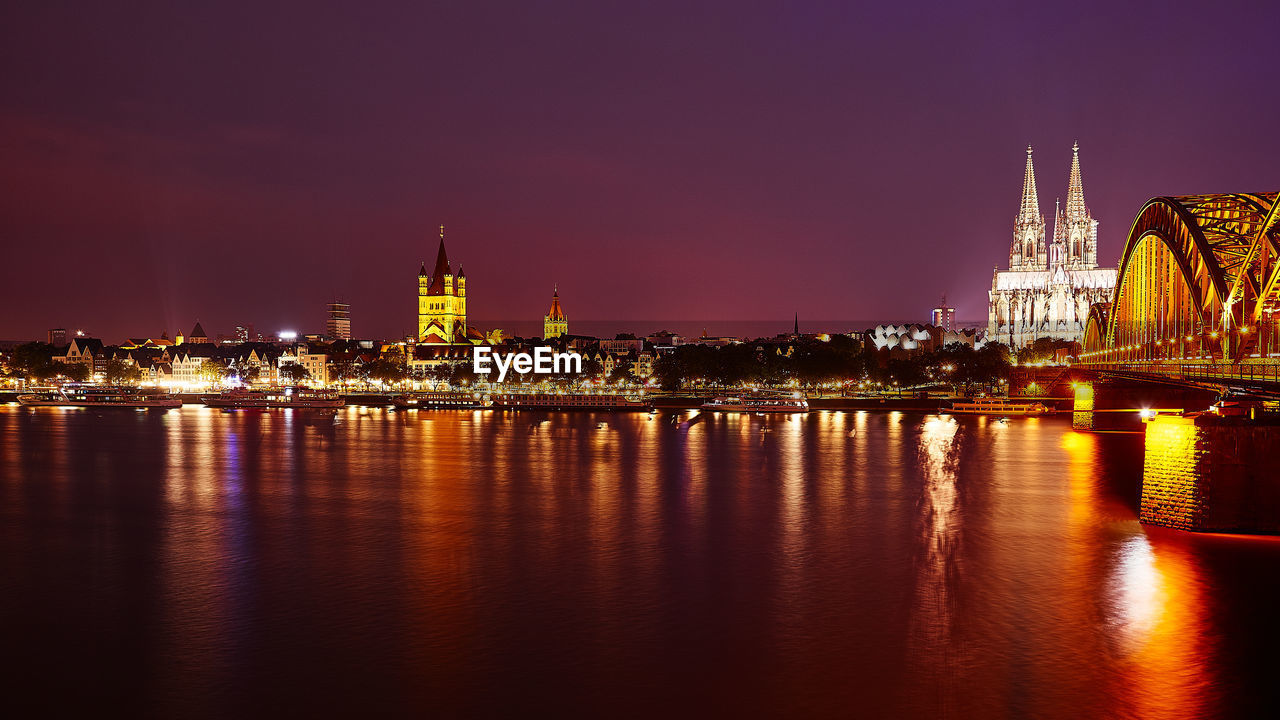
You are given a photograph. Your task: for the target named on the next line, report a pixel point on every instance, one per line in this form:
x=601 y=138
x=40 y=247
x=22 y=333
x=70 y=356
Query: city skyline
x=320 y=163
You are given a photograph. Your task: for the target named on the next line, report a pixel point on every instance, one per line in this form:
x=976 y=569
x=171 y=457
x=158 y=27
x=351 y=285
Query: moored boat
x=246 y=399
x=997 y=406
x=100 y=397
x=758 y=402
x=436 y=401
x=567 y=401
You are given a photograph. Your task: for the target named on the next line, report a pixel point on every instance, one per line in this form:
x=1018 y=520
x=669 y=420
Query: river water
x=196 y=563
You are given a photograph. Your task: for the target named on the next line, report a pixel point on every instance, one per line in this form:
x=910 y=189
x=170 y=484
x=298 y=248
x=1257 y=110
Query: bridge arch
x=1193 y=283
x=1095 y=329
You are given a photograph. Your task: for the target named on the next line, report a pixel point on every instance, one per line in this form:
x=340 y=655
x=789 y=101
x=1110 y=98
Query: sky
x=249 y=162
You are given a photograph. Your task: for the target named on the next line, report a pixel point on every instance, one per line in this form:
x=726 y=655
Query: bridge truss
x=1199 y=282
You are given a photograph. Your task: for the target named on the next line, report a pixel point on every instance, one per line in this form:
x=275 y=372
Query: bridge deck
x=1258 y=373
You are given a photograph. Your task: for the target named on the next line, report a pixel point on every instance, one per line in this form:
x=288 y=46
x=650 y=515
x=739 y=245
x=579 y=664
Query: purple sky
x=247 y=162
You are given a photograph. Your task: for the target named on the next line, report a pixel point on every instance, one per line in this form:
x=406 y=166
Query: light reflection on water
x=199 y=562
x=934 y=653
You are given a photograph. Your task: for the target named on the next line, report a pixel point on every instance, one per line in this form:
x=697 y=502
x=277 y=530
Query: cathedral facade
x=1049 y=286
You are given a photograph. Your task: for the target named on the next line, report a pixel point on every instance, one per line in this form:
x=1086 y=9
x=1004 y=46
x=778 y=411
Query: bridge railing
x=1247 y=372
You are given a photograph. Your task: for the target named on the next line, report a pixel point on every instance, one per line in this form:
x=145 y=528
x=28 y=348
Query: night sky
x=247 y=162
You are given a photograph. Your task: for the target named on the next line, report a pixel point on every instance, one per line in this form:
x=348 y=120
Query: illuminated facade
x=1199 y=279
x=442 y=302
x=554 y=323
x=1049 y=286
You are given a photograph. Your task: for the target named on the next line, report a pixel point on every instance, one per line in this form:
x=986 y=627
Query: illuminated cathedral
x=1049 y=286
x=442 y=304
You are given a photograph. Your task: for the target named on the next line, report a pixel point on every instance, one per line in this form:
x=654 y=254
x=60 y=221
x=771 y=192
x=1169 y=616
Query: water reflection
x=1160 y=630
x=877 y=564
x=934 y=652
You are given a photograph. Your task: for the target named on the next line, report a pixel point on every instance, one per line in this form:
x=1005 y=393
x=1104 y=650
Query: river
x=197 y=563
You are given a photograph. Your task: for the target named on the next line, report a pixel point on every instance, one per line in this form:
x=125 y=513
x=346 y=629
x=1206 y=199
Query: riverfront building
x=1049 y=286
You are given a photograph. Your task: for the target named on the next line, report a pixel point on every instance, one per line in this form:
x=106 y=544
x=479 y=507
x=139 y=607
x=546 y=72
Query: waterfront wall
x=1211 y=474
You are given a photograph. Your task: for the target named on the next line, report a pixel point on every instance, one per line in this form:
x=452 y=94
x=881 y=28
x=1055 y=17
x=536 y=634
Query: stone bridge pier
x=1201 y=471
x=1212 y=474
x=1109 y=404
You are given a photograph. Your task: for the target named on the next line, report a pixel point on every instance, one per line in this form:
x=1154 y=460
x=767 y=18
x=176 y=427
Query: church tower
x=554 y=323
x=1028 y=251
x=442 y=302
x=1081 y=230
x=1048 y=295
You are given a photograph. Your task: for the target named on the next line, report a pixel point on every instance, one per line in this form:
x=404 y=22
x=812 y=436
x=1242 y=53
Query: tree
x=213 y=371
x=343 y=369
x=384 y=371
x=74 y=372
x=669 y=372
x=621 y=372
x=121 y=372
x=1044 y=350
x=463 y=374
x=294 y=373
x=33 y=359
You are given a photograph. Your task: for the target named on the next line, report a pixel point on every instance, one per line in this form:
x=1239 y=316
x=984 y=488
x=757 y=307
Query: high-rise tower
x=338 y=324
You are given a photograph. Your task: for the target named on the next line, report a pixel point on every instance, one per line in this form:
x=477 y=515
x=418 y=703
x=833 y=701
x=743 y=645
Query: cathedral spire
x=1075 y=187
x=1059 y=233
x=1030 y=211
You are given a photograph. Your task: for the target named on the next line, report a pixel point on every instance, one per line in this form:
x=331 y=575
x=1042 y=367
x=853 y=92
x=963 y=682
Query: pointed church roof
x=555 y=313
x=422 y=272
x=441 y=269
x=1059 y=233
x=197 y=331
x=1030 y=209
x=1075 y=188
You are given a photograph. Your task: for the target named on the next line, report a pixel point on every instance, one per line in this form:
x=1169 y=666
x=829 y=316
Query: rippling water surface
x=201 y=563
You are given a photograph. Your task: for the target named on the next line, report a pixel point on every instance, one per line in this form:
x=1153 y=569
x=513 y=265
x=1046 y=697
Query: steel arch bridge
x=1199 y=284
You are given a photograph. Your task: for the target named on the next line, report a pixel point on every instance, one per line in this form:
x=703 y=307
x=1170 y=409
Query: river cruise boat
x=100 y=397
x=300 y=398
x=437 y=401
x=568 y=401
x=997 y=406
x=758 y=403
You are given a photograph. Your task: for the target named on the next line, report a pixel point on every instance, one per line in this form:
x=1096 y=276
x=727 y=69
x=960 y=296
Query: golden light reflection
x=939 y=524
x=1082 y=508
x=1158 y=615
